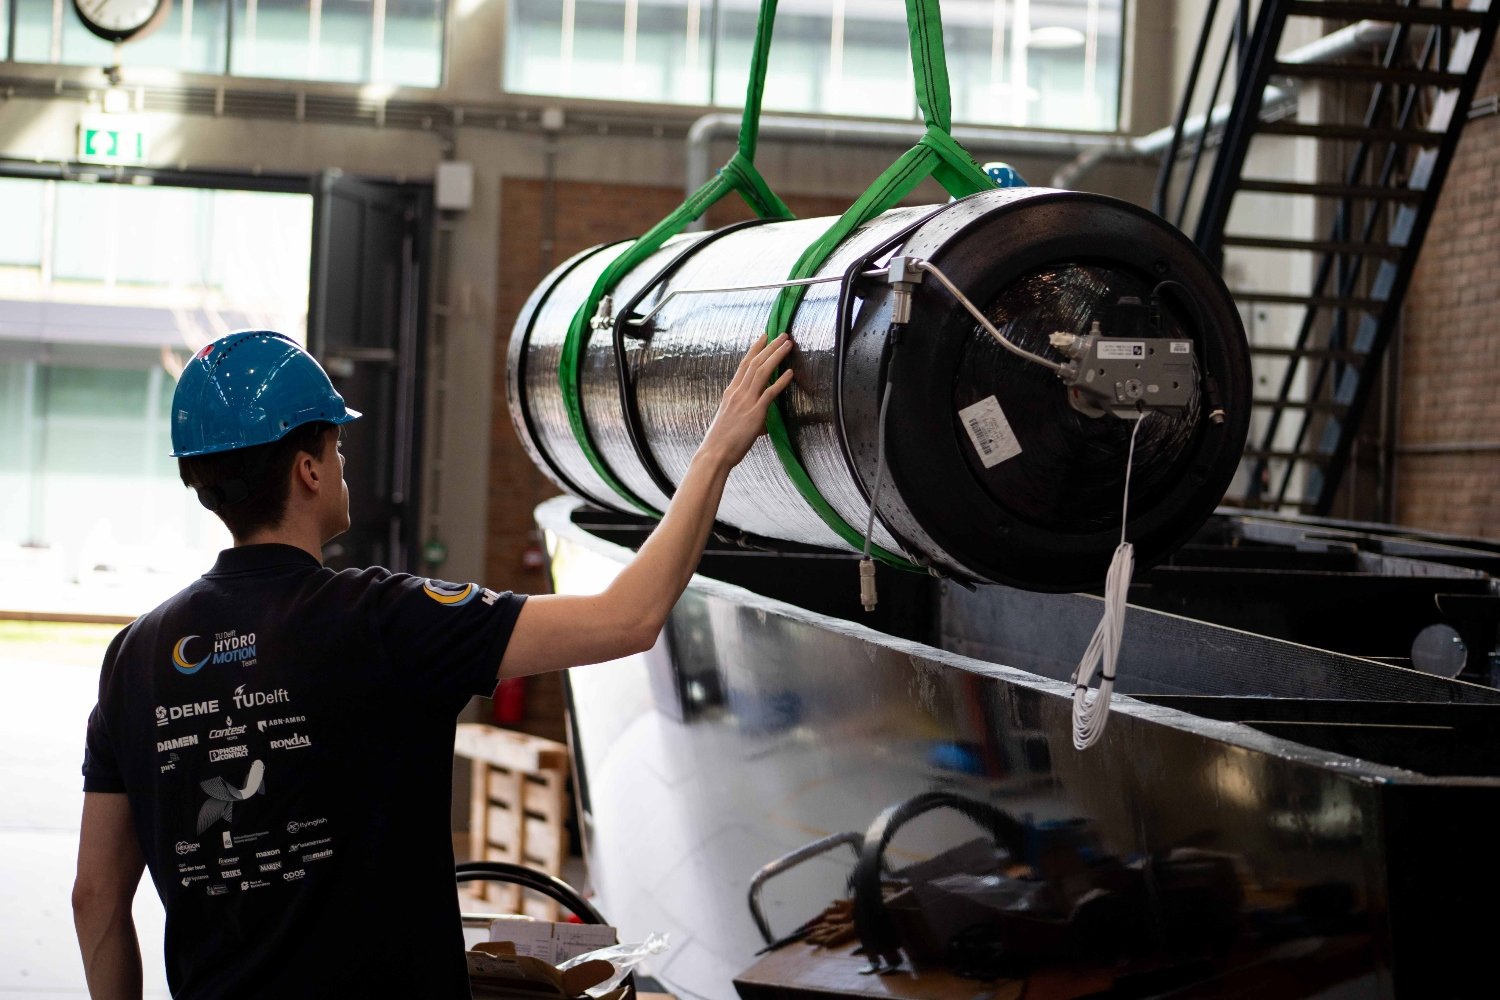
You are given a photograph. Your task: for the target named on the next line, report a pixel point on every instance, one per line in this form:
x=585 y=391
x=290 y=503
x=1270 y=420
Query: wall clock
x=121 y=20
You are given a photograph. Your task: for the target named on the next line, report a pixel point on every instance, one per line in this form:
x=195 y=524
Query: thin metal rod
x=798 y=283
x=983 y=320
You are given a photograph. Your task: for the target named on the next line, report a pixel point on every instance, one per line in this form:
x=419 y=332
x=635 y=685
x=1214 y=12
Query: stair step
x=1317 y=406
x=1317 y=190
x=1355 y=133
x=1372 y=74
x=1316 y=301
x=1310 y=353
x=1314 y=246
x=1340 y=11
x=1290 y=456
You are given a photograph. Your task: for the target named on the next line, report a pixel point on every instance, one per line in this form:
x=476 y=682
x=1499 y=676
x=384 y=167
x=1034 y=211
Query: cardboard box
x=549 y=942
x=496 y=972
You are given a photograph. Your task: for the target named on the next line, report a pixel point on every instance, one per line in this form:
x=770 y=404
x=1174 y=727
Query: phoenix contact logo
x=296 y=741
x=295 y=827
x=228 y=753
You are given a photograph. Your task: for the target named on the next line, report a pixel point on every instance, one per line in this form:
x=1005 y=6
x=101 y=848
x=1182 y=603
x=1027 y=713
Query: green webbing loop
x=740 y=176
x=935 y=155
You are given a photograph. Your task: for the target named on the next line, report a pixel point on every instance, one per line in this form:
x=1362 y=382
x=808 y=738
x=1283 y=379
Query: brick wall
x=1450 y=348
x=582 y=215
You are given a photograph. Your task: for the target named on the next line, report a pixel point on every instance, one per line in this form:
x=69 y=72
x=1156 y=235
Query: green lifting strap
x=935 y=155
x=740 y=176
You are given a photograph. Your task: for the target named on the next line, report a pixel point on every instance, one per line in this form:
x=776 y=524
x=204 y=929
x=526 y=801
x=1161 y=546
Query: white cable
x=989 y=327
x=1091 y=713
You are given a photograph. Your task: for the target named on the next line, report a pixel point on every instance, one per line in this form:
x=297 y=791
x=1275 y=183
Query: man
x=275 y=742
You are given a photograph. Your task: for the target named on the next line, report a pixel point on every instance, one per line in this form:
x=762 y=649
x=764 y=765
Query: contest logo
x=180 y=657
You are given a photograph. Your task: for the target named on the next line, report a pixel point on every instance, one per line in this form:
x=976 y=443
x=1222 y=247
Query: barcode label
x=1182 y=347
x=990 y=432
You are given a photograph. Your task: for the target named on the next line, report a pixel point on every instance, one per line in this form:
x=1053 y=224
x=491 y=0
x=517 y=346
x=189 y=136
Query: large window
x=105 y=291
x=350 y=41
x=1045 y=63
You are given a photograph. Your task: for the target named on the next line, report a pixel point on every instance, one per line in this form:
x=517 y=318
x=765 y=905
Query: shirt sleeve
x=443 y=638
x=101 y=771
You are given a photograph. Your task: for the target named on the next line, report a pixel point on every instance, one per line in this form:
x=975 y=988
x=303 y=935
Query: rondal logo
x=180 y=658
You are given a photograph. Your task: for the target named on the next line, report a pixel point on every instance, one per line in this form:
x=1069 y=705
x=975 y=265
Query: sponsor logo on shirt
x=185 y=847
x=184 y=869
x=285 y=720
x=172 y=713
x=229 y=732
x=255 y=699
x=228 y=753
x=295 y=826
x=188 y=880
x=190 y=740
x=293 y=876
x=217 y=890
x=171 y=764
x=306 y=844
x=222 y=796
x=294 y=742
x=318 y=855
x=231 y=647
x=268 y=854
x=230 y=861
x=271 y=866
x=181 y=660
x=229 y=873
x=456 y=595
x=254 y=883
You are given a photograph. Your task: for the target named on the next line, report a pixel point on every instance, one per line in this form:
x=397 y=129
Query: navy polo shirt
x=285 y=735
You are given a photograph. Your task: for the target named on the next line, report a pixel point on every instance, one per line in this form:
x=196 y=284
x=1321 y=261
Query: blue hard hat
x=250 y=388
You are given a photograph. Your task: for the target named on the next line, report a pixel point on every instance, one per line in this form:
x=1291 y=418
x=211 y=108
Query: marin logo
x=181 y=659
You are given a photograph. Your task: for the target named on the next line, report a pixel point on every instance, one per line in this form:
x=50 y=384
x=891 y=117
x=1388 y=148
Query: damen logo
x=180 y=657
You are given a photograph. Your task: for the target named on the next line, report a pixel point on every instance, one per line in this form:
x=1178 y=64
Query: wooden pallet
x=518 y=810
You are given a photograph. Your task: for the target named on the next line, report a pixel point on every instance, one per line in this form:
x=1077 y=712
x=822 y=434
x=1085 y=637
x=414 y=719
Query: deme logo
x=180 y=659
x=450 y=594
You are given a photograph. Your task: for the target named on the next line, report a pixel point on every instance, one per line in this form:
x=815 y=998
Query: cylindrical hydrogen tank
x=992 y=469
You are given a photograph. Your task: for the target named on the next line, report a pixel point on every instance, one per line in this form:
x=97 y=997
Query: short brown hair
x=249 y=487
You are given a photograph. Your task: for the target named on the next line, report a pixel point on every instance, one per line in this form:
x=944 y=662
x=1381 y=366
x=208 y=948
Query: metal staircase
x=1313 y=189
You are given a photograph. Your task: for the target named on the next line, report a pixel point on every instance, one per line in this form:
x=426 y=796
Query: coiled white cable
x=1091 y=713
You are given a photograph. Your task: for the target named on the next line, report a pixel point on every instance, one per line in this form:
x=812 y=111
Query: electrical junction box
x=454 y=186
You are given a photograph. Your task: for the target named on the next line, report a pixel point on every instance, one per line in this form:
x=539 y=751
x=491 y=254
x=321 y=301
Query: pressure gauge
x=121 y=20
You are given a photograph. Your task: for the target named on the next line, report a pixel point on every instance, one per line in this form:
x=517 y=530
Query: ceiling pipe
x=1085 y=149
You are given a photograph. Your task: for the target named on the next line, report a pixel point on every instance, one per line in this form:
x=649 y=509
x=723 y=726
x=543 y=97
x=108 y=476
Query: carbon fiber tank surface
x=1033 y=260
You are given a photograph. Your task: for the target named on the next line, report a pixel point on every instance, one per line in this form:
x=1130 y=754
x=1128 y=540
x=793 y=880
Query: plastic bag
x=623 y=957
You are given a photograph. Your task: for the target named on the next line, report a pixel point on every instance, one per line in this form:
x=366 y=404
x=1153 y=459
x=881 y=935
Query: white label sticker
x=1121 y=350
x=1182 y=347
x=993 y=439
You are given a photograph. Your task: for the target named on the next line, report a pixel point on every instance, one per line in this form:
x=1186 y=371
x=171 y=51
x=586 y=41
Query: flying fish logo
x=453 y=595
x=180 y=657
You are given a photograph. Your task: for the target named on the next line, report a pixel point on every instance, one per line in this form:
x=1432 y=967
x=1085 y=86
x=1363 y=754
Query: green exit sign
x=121 y=144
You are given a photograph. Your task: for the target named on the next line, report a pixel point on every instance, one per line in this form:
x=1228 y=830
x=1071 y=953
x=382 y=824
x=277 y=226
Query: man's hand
x=742 y=410
x=556 y=631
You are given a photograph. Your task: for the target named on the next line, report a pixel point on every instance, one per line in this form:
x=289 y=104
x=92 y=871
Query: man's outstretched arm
x=109 y=870
x=555 y=631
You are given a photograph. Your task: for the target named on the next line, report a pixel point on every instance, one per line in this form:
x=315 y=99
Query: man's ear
x=306 y=471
